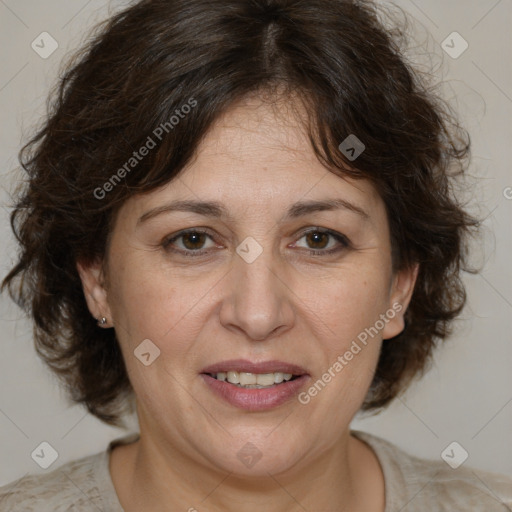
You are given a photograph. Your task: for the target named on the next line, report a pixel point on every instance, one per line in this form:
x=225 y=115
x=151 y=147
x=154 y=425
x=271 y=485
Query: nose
x=258 y=300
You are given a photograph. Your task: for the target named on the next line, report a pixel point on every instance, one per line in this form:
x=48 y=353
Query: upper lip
x=243 y=365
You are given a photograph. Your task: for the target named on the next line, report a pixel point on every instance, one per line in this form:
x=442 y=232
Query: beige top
x=412 y=485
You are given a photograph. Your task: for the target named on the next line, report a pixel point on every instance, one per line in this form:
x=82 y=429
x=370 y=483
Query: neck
x=152 y=475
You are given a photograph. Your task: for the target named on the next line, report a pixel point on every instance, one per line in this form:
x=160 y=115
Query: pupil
x=315 y=235
x=188 y=236
x=197 y=238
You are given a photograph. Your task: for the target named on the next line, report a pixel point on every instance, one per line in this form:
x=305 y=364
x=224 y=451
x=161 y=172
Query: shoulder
x=417 y=484
x=72 y=487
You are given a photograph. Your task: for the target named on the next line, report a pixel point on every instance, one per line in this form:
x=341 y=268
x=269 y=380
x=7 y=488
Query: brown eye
x=192 y=242
x=318 y=240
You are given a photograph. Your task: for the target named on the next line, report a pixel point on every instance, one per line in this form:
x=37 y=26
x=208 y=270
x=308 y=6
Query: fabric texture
x=412 y=484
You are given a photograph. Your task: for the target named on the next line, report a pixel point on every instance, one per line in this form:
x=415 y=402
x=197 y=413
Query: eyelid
x=333 y=233
x=171 y=238
x=339 y=237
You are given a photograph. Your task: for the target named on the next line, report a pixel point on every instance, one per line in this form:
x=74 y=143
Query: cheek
x=155 y=302
x=349 y=345
x=345 y=312
x=347 y=305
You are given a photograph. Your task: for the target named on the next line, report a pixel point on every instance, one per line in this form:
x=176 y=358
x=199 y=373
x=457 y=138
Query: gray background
x=467 y=394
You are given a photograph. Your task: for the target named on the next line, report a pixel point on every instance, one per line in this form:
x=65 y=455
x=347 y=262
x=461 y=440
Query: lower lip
x=253 y=399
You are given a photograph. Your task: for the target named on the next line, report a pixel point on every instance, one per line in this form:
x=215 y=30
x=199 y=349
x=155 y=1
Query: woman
x=239 y=222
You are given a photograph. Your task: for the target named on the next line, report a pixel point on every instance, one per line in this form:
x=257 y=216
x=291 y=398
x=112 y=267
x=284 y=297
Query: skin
x=287 y=305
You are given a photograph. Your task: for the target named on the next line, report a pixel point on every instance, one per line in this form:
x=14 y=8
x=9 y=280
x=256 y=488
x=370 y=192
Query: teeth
x=264 y=379
x=253 y=380
x=233 y=377
x=248 y=378
x=278 y=377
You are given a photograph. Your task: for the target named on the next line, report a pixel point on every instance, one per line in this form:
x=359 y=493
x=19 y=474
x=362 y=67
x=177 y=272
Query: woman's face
x=257 y=293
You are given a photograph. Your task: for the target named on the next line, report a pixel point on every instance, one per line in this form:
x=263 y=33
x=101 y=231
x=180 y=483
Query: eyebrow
x=217 y=210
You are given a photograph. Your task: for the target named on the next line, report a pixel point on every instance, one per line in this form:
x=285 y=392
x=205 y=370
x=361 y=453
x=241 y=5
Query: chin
x=258 y=455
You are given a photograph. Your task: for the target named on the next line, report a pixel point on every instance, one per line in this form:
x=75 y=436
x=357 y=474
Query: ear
x=93 y=284
x=401 y=292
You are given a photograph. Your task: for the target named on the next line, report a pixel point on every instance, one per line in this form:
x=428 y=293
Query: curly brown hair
x=140 y=67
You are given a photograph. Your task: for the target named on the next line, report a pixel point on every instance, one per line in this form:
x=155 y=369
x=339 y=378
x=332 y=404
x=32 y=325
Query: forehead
x=264 y=148
x=255 y=123
x=257 y=159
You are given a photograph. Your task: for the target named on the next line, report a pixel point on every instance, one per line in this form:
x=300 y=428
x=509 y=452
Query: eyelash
x=343 y=240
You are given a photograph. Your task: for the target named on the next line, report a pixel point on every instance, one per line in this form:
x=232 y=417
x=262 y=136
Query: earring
x=102 y=321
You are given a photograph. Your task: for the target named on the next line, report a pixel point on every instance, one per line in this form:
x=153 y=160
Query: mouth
x=251 y=380
x=263 y=388
x=250 y=375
